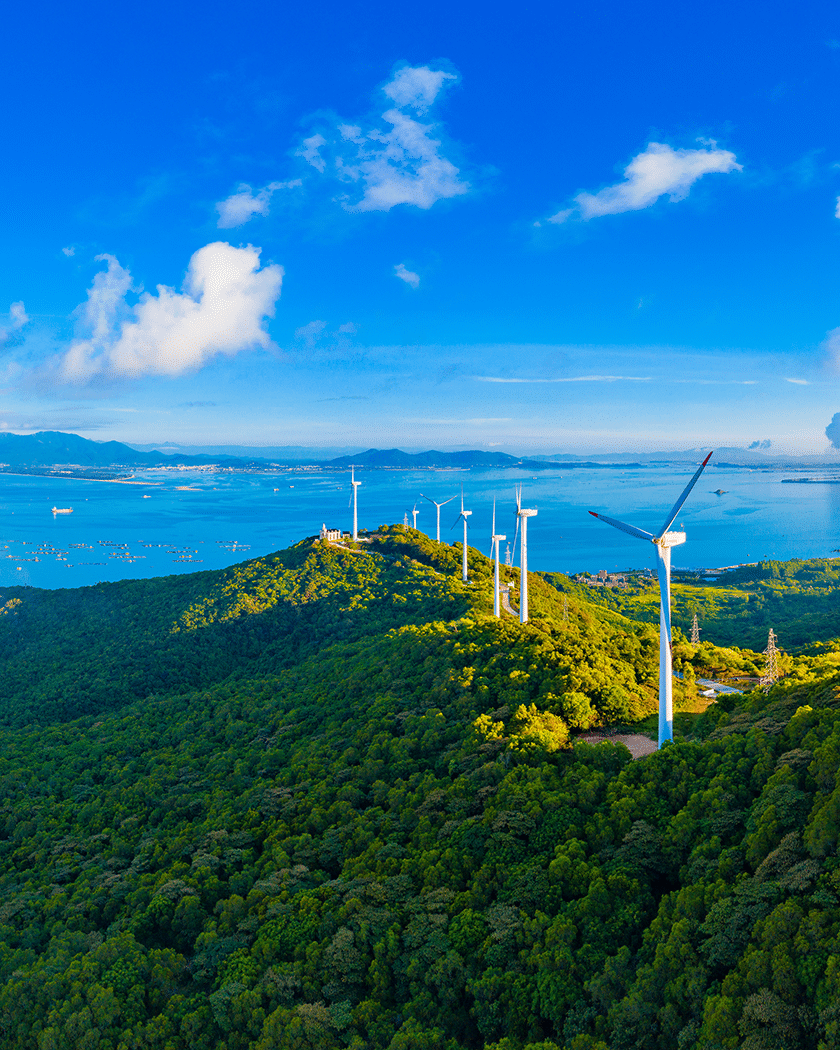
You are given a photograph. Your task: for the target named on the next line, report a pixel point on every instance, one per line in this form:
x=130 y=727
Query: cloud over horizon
x=221 y=310
x=657 y=171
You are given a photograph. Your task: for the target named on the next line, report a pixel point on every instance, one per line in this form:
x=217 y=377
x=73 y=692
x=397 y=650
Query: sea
x=181 y=521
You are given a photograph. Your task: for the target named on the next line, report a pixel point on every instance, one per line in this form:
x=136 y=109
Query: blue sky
x=540 y=228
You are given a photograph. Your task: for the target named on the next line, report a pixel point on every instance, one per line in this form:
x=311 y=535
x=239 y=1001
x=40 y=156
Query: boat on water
x=62 y=510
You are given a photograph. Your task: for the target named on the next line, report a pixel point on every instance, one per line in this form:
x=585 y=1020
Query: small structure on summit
x=330 y=535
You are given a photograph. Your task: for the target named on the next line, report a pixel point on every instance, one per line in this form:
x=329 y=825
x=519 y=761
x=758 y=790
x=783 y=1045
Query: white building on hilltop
x=330 y=535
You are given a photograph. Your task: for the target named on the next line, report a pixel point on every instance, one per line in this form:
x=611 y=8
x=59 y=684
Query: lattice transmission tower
x=695 y=631
x=771 y=664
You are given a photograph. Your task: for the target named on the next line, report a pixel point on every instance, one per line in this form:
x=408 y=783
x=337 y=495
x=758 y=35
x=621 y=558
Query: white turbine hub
x=671 y=539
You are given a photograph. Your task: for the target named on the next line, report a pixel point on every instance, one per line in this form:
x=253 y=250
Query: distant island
x=53 y=453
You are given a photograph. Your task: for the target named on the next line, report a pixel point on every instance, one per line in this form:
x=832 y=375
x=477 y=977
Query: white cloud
x=242 y=205
x=837 y=209
x=416 y=87
x=799 y=382
x=17 y=319
x=17 y=315
x=348 y=328
x=309 y=333
x=221 y=310
x=69 y=251
x=659 y=170
x=399 y=162
x=310 y=151
x=407 y=275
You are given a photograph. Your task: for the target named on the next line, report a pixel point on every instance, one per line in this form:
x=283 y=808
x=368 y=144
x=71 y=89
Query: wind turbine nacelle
x=672 y=539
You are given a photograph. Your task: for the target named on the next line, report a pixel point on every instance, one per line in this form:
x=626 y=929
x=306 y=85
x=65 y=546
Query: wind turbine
x=663 y=542
x=464 y=514
x=438 y=505
x=414 y=515
x=355 y=485
x=495 y=538
x=523 y=515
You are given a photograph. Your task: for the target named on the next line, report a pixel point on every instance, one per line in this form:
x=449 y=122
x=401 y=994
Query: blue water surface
x=190 y=520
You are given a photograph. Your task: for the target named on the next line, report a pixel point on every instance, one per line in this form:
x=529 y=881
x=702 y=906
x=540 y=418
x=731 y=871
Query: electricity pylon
x=771 y=664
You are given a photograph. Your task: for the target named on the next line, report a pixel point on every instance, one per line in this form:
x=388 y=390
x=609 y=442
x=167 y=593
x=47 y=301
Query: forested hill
x=325 y=800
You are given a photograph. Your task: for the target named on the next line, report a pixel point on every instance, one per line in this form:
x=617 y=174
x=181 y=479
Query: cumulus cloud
x=407 y=275
x=832 y=431
x=659 y=170
x=241 y=206
x=222 y=309
x=395 y=160
x=837 y=209
x=69 y=251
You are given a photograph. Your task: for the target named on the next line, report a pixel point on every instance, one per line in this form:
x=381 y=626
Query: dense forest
x=325 y=799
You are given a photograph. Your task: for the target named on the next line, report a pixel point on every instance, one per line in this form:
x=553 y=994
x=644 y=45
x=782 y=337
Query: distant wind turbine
x=438 y=505
x=663 y=542
x=464 y=514
x=495 y=539
x=414 y=515
x=355 y=485
x=522 y=516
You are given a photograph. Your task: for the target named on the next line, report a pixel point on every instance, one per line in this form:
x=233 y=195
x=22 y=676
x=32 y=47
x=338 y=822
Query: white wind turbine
x=663 y=542
x=522 y=516
x=414 y=514
x=495 y=539
x=438 y=505
x=355 y=485
x=464 y=514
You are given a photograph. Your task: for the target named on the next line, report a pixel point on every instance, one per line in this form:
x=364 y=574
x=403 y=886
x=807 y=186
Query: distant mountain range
x=49 y=448
x=396 y=458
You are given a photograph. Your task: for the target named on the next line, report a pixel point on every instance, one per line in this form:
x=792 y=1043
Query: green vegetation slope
x=348 y=812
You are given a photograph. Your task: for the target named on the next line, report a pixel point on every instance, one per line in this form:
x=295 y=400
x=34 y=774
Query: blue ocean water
x=184 y=521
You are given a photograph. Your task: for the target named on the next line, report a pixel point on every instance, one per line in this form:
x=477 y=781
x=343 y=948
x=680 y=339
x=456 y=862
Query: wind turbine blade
x=462 y=499
x=428 y=498
x=669 y=521
x=631 y=530
x=455 y=522
x=515 y=534
x=447 y=501
x=493 y=529
x=518 y=491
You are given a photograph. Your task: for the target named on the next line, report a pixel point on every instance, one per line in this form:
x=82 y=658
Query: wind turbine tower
x=355 y=485
x=663 y=542
x=464 y=514
x=438 y=505
x=522 y=516
x=414 y=515
x=495 y=539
